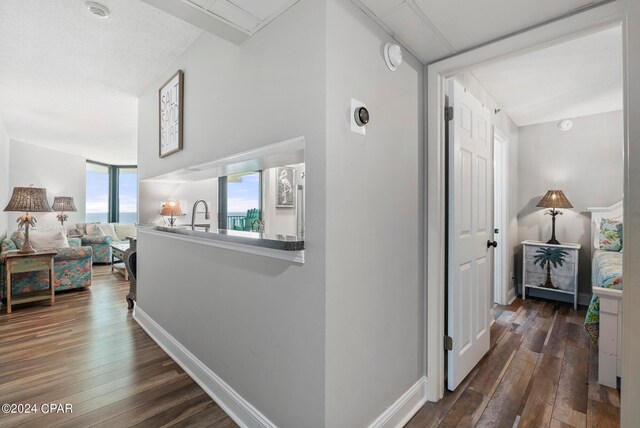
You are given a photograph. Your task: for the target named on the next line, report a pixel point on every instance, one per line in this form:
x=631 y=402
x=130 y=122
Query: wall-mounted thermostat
x=359 y=117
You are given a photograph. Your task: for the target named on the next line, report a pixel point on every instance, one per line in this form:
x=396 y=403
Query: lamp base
x=27 y=249
x=553 y=241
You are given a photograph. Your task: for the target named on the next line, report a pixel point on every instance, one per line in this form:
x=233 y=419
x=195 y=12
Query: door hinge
x=448 y=113
x=448 y=343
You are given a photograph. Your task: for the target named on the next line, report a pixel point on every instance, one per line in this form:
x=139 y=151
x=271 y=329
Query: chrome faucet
x=207 y=216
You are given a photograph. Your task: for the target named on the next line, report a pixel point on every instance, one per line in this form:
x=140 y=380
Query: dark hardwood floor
x=541 y=371
x=87 y=351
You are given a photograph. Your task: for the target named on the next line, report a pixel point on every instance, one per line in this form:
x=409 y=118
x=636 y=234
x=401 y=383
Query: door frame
x=501 y=211
x=601 y=16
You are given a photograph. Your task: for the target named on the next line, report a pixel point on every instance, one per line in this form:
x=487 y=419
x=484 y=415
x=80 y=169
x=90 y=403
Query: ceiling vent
x=98 y=10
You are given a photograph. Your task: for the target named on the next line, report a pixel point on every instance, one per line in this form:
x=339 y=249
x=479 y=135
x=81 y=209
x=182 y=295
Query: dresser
x=551 y=268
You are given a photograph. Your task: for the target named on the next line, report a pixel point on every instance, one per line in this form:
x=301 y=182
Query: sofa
x=101 y=242
x=72 y=267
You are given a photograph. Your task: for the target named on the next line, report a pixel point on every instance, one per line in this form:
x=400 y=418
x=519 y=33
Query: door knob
x=493 y=244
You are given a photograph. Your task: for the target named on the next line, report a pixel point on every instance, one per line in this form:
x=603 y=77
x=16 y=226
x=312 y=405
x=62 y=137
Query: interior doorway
x=437 y=81
x=502 y=275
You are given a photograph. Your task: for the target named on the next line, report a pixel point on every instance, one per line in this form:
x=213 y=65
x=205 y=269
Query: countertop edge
x=213 y=241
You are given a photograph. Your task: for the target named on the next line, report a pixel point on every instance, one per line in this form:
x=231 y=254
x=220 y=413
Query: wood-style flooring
x=541 y=371
x=87 y=351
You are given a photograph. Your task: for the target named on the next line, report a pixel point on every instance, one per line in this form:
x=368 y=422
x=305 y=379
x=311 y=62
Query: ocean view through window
x=239 y=200
x=128 y=195
x=97 y=193
x=111 y=193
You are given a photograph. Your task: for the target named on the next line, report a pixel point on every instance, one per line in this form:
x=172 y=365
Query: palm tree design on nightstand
x=547 y=256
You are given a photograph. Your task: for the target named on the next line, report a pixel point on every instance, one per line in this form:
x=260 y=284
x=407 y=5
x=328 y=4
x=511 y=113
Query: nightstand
x=30 y=262
x=552 y=268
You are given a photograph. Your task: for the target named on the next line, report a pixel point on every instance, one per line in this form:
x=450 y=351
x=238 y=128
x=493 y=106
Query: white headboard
x=597 y=213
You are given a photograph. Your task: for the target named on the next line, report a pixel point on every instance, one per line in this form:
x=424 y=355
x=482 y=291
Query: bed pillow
x=48 y=239
x=610 y=235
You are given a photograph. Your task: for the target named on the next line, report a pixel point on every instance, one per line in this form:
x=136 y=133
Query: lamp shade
x=554 y=199
x=64 y=203
x=28 y=199
x=171 y=208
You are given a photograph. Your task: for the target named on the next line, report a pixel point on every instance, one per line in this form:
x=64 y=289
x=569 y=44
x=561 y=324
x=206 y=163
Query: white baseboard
x=400 y=412
x=238 y=409
x=511 y=296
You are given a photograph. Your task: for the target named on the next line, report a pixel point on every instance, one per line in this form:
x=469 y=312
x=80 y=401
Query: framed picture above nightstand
x=552 y=268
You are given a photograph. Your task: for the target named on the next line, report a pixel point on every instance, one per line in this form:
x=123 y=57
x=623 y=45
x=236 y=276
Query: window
x=97 y=193
x=127 y=195
x=239 y=200
x=112 y=193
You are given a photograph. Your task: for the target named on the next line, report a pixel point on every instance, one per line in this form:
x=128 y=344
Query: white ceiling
x=434 y=29
x=70 y=81
x=246 y=15
x=576 y=78
x=233 y=20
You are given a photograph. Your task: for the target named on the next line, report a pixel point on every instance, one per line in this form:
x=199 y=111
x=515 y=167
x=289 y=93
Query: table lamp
x=554 y=199
x=28 y=199
x=171 y=208
x=62 y=204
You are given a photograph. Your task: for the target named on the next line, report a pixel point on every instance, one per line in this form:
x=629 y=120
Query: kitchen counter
x=284 y=247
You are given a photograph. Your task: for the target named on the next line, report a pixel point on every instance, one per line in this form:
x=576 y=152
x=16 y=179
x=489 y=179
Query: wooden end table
x=117 y=253
x=31 y=262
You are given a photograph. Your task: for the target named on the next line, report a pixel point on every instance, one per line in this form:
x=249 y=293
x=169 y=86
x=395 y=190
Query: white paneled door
x=470 y=262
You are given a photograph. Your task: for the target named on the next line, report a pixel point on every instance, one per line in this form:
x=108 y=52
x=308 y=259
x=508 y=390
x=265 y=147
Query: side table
x=560 y=268
x=117 y=253
x=30 y=262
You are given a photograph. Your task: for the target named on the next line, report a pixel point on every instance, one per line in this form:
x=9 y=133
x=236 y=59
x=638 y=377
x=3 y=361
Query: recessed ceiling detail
x=242 y=18
x=434 y=29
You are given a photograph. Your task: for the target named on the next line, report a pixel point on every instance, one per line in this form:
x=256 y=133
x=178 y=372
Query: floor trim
x=238 y=409
x=400 y=412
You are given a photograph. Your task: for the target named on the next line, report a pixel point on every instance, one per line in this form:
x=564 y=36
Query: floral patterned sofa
x=101 y=244
x=72 y=268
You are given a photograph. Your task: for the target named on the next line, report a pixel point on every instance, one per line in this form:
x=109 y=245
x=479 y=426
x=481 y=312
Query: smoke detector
x=98 y=10
x=565 y=125
x=392 y=56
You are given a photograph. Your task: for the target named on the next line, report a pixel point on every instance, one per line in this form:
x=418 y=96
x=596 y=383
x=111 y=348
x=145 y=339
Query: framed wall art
x=285 y=185
x=170 y=106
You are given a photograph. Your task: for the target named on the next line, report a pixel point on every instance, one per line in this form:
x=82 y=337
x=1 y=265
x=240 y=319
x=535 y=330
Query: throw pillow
x=18 y=238
x=93 y=229
x=124 y=230
x=82 y=228
x=108 y=230
x=48 y=239
x=610 y=235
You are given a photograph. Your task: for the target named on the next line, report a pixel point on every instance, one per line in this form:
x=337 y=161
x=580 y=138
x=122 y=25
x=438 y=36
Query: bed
x=604 y=316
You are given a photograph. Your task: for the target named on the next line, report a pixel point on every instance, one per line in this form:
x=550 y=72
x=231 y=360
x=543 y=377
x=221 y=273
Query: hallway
x=541 y=371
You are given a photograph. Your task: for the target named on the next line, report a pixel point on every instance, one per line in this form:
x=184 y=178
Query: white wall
x=507 y=127
x=154 y=194
x=4 y=178
x=283 y=221
x=375 y=296
x=630 y=412
x=62 y=174
x=586 y=163
x=258 y=323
